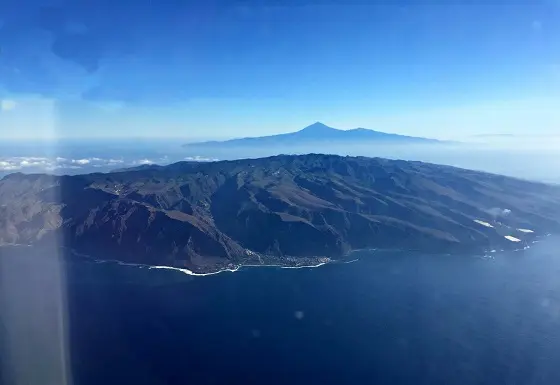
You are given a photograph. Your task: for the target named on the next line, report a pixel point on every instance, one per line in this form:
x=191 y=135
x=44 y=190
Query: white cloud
x=81 y=161
x=198 y=158
x=49 y=164
x=7 y=105
x=499 y=212
x=7 y=166
x=41 y=164
x=19 y=163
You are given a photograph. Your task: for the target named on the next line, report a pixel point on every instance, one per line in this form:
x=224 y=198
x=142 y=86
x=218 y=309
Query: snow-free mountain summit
x=281 y=210
x=317 y=132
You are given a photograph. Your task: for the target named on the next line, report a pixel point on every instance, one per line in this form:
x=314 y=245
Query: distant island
x=282 y=210
x=317 y=132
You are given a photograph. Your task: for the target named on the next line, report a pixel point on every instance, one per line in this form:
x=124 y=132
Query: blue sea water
x=386 y=318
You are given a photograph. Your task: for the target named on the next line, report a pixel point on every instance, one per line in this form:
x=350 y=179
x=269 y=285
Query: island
x=283 y=210
x=315 y=134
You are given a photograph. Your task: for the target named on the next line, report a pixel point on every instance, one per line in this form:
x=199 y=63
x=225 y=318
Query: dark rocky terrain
x=283 y=209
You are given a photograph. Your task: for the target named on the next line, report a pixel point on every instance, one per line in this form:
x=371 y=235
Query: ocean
x=383 y=318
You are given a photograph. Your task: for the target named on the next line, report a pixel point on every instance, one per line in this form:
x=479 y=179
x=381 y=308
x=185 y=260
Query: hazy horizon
x=535 y=163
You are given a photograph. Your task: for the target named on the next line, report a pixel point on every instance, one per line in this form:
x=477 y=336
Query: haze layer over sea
x=519 y=159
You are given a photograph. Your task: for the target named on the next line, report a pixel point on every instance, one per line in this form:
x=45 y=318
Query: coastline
x=327 y=261
x=291 y=262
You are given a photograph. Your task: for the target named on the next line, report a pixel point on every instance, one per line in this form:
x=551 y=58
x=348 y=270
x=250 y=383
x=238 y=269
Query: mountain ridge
x=284 y=210
x=316 y=132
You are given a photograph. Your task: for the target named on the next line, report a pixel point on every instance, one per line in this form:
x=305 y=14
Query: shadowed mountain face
x=282 y=209
x=317 y=132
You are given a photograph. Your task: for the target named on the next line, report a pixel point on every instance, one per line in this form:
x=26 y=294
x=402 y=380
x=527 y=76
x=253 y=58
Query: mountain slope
x=282 y=209
x=317 y=132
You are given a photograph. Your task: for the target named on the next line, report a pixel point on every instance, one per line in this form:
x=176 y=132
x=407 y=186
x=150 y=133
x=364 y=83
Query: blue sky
x=194 y=69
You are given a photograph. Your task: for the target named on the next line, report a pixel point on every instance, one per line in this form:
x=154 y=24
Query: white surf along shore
x=189 y=272
x=510 y=238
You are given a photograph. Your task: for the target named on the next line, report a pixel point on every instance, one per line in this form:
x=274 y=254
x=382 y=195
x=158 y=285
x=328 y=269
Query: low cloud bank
x=25 y=163
x=66 y=165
